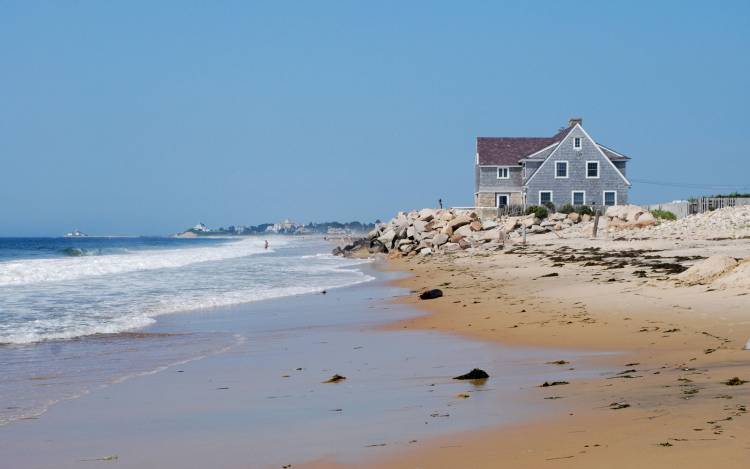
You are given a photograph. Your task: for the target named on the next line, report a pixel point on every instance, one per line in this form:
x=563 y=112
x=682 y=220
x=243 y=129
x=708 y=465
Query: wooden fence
x=708 y=204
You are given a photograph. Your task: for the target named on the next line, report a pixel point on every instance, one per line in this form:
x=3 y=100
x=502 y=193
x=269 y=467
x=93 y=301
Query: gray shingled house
x=568 y=168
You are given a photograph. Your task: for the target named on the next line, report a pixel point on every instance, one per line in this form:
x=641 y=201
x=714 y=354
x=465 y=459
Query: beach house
x=569 y=167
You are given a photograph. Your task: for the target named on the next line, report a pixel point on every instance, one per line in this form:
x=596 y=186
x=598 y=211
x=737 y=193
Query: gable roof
x=502 y=151
x=596 y=145
x=509 y=151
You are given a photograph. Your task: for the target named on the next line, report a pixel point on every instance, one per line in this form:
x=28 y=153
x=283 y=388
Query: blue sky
x=147 y=117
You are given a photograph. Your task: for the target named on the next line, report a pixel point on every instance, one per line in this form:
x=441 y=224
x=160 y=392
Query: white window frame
x=598 y=169
x=604 y=197
x=550 y=197
x=507 y=172
x=502 y=194
x=567 y=169
x=573 y=197
x=579 y=141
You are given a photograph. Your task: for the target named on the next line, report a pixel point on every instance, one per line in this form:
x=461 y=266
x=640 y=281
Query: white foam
x=32 y=271
x=95 y=304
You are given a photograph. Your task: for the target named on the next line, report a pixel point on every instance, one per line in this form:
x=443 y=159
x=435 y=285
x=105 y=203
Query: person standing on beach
x=266 y=247
x=440 y=202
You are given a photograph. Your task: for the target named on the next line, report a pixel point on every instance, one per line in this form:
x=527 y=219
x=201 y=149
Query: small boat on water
x=75 y=234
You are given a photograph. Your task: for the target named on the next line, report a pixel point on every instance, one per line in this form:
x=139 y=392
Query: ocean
x=73 y=311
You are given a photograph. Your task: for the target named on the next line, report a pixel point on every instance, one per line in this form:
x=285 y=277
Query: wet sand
x=663 y=404
x=262 y=402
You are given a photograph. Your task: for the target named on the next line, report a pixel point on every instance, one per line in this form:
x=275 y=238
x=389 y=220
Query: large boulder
x=387 y=238
x=427 y=214
x=464 y=231
x=491 y=235
x=451 y=247
x=446 y=216
x=459 y=221
x=510 y=224
x=628 y=213
x=439 y=239
x=489 y=224
x=476 y=225
x=645 y=219
x=530 y=221
x=464 y=244
x=574 y=217
x=420 y=226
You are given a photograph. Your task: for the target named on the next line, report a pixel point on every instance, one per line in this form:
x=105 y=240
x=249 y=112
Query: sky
x=148 y=117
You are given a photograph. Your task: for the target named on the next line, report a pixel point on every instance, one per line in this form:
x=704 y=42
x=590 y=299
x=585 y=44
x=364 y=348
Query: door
x=501 y=200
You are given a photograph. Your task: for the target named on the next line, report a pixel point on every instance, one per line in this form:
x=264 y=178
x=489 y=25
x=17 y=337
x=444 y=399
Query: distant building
x=200 y=227
x=567 y=168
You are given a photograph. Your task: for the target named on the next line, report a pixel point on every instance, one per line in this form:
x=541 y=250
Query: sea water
x=73 y=310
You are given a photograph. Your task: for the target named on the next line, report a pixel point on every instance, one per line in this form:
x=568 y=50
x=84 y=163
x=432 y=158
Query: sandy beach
x=663 y=401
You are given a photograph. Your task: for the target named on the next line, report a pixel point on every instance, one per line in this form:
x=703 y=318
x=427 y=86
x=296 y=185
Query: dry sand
x=664 y=402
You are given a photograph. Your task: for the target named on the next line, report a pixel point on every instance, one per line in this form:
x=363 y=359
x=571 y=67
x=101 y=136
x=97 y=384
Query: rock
x=425 y=251
x=447 y=230
x=574 y=217
x=446 y=216
x=557 y=216
x=489 y=224
x=426 y=214
x=464 y=231
x=406 y=248
x=335 y=379
x=419 y=226
x=530 y=221
x=546 y=223
x=387 y=238
x=585 y=217
x=431 y=294
x=464 y=244
x=451 y=247
x=537 y=229
x=491 y=235
x=440 y=239
x=645 y=219
x=459 y=221
x=476 y=373
x=376 y=246
x=476 y=225
x=510 y=224
x=456 y=238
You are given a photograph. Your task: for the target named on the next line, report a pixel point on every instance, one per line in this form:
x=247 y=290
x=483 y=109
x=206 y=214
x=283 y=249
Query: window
x=592 y=170
x=503 y=173
x=577 y=143
x=501 y=200
x=544 y=197
x=579 y=197
x=610 y=197
x=561 y=169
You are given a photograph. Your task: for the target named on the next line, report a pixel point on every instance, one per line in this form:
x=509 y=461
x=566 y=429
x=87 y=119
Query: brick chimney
x=575 y=120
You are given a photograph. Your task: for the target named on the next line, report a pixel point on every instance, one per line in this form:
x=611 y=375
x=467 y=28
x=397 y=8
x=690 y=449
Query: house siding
x=544 y=178
x=488 y=181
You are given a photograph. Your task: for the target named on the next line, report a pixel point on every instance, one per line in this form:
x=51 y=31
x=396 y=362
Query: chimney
x=575 y=120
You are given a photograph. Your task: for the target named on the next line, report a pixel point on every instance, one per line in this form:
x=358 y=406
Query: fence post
x=596 y=223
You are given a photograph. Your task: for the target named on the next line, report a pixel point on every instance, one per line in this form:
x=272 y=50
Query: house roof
x=508 y=151
x=613 y=155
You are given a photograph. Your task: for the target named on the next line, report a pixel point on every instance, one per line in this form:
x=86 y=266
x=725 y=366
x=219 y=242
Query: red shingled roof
x=509 y=150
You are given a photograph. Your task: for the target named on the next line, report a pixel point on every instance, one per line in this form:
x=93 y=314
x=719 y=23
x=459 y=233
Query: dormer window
x=577 y=143
x=503 y=172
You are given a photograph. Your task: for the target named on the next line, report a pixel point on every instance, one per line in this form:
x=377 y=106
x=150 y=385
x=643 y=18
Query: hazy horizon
x=142 y=118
